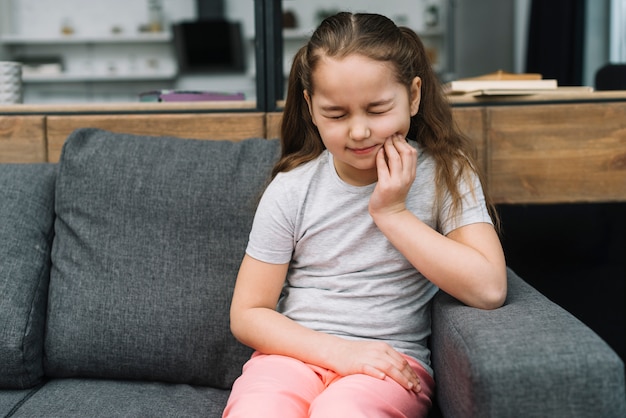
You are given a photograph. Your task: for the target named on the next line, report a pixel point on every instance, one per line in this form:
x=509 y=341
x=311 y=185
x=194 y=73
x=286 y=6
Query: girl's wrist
x=389 y=213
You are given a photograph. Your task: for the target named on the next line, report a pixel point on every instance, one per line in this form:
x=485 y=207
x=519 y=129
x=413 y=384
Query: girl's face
x=357 y=104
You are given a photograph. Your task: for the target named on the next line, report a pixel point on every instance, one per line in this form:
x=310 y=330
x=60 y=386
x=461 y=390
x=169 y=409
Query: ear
x=307 y=98
x=415 y=93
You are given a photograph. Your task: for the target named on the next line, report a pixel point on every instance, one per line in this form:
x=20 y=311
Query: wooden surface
x=232 y=126
x=22 y=139
x=470 y=121
x=273 y=121
x=126 y=107
x=557 y=153
x=564 y=95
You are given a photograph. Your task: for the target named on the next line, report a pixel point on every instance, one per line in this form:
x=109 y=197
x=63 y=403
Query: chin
x=365 y=167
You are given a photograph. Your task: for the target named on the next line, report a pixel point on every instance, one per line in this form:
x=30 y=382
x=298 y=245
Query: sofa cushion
x=26 y=229
x=113 y=398
x=150 y=232
x=12 y=400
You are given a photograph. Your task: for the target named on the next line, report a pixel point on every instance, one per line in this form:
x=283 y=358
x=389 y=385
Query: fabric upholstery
x=80 y=398
x=12 y=400
x=26 y=231
x=529 y=358
x=149 y=236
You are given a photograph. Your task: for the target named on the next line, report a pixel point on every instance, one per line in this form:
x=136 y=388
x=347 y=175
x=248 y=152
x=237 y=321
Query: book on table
x=501 y=81
x=467 y=86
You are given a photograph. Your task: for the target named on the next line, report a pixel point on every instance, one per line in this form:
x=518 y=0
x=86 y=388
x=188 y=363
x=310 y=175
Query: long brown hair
x=378 y=38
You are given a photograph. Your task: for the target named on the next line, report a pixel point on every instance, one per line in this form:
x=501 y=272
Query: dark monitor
x=209 y=46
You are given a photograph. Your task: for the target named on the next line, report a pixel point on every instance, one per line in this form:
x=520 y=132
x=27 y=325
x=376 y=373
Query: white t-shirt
x=345 y=278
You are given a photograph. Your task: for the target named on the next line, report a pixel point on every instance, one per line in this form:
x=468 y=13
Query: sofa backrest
x=149 y=234
x=26 y=230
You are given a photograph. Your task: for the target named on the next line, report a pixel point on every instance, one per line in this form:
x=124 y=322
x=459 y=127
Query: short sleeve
x=272 y=235
x=473 y=209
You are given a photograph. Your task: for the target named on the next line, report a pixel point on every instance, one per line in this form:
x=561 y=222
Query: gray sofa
x=116 y=270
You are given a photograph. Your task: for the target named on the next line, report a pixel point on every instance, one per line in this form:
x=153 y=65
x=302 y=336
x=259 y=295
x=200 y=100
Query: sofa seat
x=116 y=398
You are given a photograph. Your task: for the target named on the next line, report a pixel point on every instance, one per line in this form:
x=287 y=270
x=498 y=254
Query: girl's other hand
x=396 y=163
x=376 y=359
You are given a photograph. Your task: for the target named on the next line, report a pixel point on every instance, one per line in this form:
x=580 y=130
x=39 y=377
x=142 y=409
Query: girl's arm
x=256 y=323
x=468 y=263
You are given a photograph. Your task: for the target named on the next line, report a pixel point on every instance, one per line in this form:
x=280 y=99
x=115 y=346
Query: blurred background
x=109 y=50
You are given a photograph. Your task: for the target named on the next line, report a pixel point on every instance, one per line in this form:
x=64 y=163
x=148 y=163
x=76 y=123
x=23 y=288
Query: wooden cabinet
x=22 y=139
x=557 y=153
x=471 y=122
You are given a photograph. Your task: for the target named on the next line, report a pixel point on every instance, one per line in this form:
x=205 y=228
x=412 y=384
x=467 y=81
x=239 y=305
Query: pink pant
x=276 y=386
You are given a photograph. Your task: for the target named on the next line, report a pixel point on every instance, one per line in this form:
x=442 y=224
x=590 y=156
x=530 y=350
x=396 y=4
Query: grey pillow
x=26 y=229
x=150 y=232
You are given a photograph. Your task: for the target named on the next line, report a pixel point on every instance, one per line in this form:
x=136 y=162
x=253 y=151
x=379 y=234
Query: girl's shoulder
x=296 y=178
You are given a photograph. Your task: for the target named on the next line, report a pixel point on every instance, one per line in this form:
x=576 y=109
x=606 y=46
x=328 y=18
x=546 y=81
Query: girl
x=357 y=231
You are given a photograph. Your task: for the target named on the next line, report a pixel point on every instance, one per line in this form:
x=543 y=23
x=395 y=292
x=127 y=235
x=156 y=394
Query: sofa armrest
x=529 y=358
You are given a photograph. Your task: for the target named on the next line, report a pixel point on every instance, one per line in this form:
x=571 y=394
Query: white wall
x=520 y=34
x=484 y=37
x=596 y=39
x=618 y=31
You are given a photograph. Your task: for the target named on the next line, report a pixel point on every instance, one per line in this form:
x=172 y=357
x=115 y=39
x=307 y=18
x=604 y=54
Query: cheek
x=331 y=134
x=328 y=130
x=390 y=126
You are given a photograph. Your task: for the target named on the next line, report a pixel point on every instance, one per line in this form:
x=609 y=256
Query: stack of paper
x=501 y=83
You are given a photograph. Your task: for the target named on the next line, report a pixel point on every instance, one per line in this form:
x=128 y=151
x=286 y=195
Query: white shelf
x=16 y=39
x=80 y=78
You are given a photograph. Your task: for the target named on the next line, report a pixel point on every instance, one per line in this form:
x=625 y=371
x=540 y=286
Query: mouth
x=364 y=150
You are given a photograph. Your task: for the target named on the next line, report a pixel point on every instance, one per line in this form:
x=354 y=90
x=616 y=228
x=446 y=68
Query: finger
x=394 y=160
x=397 y=368
x=414 y=381
x=381 y=165
x=406 y=379
x=402 y=365
x=393 y=156
x=374 y=372
x=407 y=153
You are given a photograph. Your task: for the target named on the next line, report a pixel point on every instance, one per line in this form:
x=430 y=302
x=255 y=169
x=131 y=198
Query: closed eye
x=380 y=108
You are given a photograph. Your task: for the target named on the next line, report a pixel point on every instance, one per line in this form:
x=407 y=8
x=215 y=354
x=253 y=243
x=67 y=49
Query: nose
x=359 y=129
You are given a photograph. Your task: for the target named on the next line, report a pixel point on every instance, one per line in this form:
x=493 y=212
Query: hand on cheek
x=396 y=164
